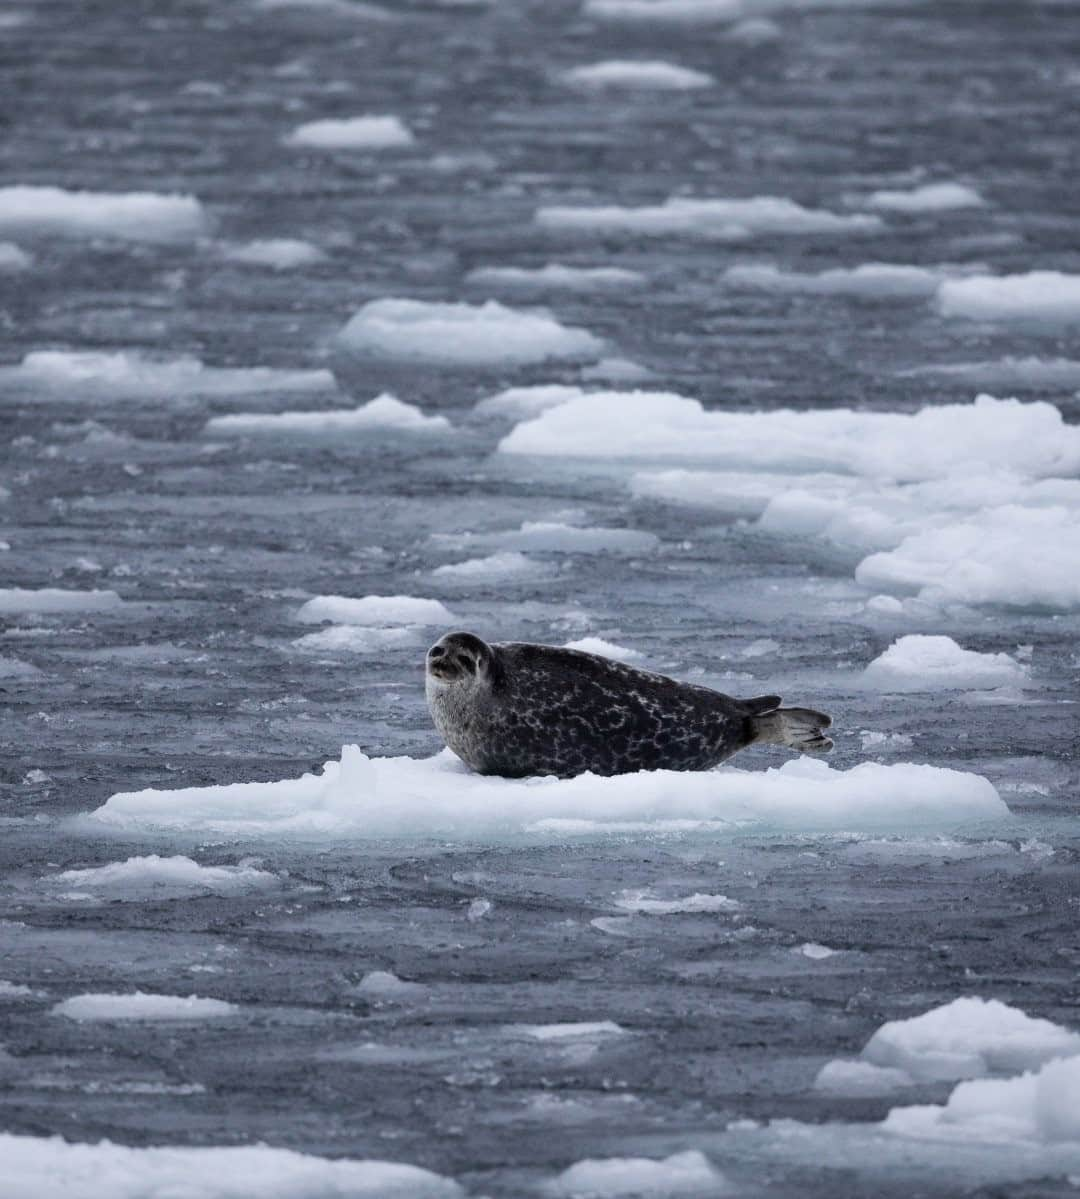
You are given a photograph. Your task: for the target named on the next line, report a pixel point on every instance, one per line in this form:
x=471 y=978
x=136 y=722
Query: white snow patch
x=13 y=259
x=51 y=1168
x=352 y=133
x=52 y=600
x=918 y=662
x=723 y=220
x=281 y=253
x=507 y=564
x=374 y=610
x=814 y=951
x=568 y=1032
x=366 y=797
x=126 y=374
x=689 y=1173
x=650 y=74
x=555 y=277
x=605 y=649
x=698 y=903
x=129 y=216
x=149 y=877
x=871 y=280
x=463 y=334
x=139 y=1006
x=930 y=197
x=1039 y=297
x=385 y=412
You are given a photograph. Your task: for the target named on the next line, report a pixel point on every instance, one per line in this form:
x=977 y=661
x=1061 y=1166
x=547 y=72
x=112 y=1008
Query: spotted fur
x=517 y=709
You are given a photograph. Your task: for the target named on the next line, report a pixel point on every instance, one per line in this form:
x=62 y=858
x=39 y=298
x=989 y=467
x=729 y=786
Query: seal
x=517 y=709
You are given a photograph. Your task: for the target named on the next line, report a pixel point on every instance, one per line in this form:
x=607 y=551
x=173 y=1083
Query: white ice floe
x=53 y=600
x=1036 y=298
x=381 y=986
x=385 y=412
x=517 y=403
x=375 y=610
x=128 y=216
x=869 y=281
x=137 y=1005
x=557 y=537
x=682 y=1174
x=506 y=564
x=280 y=253
x=918 y=662
x=463 y=334
x=814 y=951
x=52 y=1168
x=651 y=74
x=351 y=639
x=754 y=31
x=352 y=133
x=554 y=276
x=724 y=220
x=698 y=903
x=605 y=649
x=12 y=992
x=570 y=1031
x=930 y=197
x=151 y=877
x=128 y=374
x=362 y=797
x=1028 y=374
x=615 y=370
x=13 y=259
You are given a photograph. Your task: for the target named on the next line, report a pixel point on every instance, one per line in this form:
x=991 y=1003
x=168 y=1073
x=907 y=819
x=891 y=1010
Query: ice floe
x=506 y=564
x=650 y=74
x=54 y=600
x=570 y=1031
x=653 y=905
x=137 y=1005
x=1036 y=298
x=870 y=281
x=918 y=662
x=52 y=1168
x=557 y=537
x=719 y=219
x=605 y=649
x=682 y=1174
x=280 y=253
x=150 y=877
x=1027 y=374
x=554 y=276
x=463 y=334
x=385 y=412
x=13 y=259
x=128 y=374
x=517 y=403
x=362 y=797
x=352 y=133
x=381 y=986
x=128 y=216
x=375 y=610
x=353 y=639
x=929 y=197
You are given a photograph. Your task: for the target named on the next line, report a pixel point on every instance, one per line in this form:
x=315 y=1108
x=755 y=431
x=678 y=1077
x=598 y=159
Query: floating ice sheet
x=930 y=197
x=149 y=877
x=555 y=277
x=280 y=253
x=139 y=1006
x=353 y=133
x=385 y=412
x=919 y=662
x=682 y=1174
x=870 y=280
x=129 y=216
x=375 y=610
x=1036 y=298
x=361 y=797
x=649 y=74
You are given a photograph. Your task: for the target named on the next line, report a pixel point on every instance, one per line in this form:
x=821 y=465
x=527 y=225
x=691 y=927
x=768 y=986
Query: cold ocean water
x=530 y=989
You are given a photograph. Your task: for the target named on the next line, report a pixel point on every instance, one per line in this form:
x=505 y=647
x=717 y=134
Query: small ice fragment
x=478 y=909
x=280 y=253
x=682 y=1174
x=647 y=74
x=814 y=951
x=139 y=1006
x=919 y=662
x=929 y=197
x=353 y=133
x=605 y=649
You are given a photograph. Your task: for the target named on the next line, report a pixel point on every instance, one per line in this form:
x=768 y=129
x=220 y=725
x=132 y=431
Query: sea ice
x=463 y=334
x=140 y=1006
x=754 y=31
x=127 y=374
x=52 y=600
x=518 y=403
x=51 y=1168
x=871 y=281
x=129 y=216
x=375 y=610
x=1030 y=374
x=1039 y=297
x=652 y=905
x=605 y=649
x=690 y=1173
x=506 y=564
x=637 y=73
x=930 y=197
x=723 y=220
x=857 y=1078
x=384 y=412
x=362 y=797
x=919 y=662
x=353 y=133
x=153 y=876
x=351 y=639
x=557 y=537
x=570 y=1031
x=554 y=277
x=281 y=253
x=383 y=987
x=13 y=259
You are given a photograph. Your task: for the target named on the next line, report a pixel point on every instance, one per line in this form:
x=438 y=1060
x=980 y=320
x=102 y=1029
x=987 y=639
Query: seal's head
x=459 y=660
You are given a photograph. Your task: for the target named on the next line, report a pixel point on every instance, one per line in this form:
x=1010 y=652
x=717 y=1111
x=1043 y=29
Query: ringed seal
x=517 y=709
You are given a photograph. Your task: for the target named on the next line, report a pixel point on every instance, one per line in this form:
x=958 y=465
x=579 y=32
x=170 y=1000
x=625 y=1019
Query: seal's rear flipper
x=797 y=728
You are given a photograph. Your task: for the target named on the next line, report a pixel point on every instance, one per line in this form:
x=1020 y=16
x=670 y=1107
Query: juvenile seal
x=516 y=709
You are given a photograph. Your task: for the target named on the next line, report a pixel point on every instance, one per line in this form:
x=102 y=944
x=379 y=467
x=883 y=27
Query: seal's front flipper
x=797 y=728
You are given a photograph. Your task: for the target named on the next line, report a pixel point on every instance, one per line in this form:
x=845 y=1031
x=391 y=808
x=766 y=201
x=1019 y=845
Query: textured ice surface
x=131 y=216
x=929 y=197
x=689 y=1173
x=140 y=1006
x=1038 y=297
x=637 y=73
x=353 y=133
x=153 y=876
x=463 y=334
x=362 y=797
x=374 y=610
x=383 y=412
x=281 y=253
x=52 y=1168
x=918 y=662
x=606 y=649
x=554 y=276
x=869 y=280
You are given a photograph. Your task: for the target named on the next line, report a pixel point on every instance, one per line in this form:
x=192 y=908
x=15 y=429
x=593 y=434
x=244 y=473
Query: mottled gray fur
x=517 y=709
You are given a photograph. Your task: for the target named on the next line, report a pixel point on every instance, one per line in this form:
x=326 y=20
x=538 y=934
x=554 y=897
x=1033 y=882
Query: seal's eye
x=468 y=662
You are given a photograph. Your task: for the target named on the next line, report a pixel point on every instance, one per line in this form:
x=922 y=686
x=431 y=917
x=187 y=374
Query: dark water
x=214 y=545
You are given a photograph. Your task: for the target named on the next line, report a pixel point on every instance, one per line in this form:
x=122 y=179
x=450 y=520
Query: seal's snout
x=440 y=663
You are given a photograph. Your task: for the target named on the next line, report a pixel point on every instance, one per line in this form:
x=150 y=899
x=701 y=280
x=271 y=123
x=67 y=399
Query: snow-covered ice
x=554 y=276
x=385 y=412
x=382 y=986
x=716 y=219
x=517 y=403
x=654 y=905
x=360 y=797
x=280 y=253
x=928 y=197
x=1036 y=298
x=870 y=280
x=375 y=610
x=354 y=639
x=682 y=1174
x=56 y=600
x=651 y=74
x=605 y=649
x=505 y=564
x=570 y=1031
x=52 y=1168
x=922 y=662
x=150 y=877
x=463 y=334
x=353 y=133
x=139 y=1006
x=127 y=216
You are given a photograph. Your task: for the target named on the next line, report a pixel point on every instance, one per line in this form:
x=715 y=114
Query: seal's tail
x=797 y=728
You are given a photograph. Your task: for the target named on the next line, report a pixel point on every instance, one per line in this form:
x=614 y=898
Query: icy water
x=213 y=542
